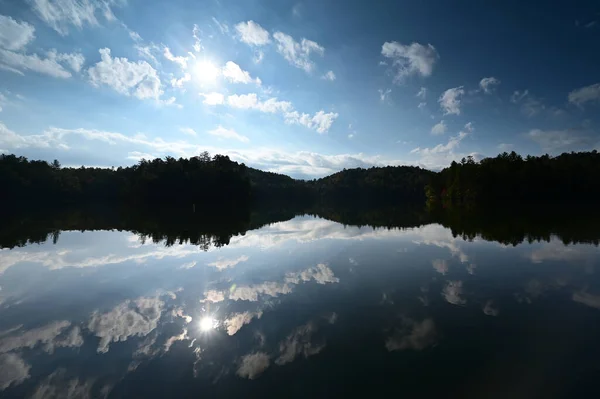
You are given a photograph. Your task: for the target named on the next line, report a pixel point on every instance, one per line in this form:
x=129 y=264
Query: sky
x=305 y=88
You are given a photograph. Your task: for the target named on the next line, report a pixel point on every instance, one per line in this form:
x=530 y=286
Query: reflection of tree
x=205 y=228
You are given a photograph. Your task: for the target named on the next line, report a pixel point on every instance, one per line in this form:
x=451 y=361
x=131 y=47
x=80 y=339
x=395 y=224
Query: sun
x=206 y=71
x=207 y=323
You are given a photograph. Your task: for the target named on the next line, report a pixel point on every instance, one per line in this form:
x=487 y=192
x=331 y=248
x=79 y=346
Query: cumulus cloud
x=530 y=105
x=299 y=342
x=321 y=121
x=222 y=264
x=188 y=131
x=253 y=365
x=60 y=14
x=414 y=335
x=329 y=75
x=232 y=72
x=179 y=60
x=412 y=59
x=439 y=128
x=13 y=370
x=50 y=336
x=452 y=293
x=236 y=321
x=384 y=95
x=450 y=100
x=213 y=98
x=222 y=132
x=297 y=53
x=15 y=35
x=559 y=140
x=252 y=33
x=585 y=94
x=125 y=77
x=128 y=319
x=178 y=83
x=488 y=85
x=54 y=64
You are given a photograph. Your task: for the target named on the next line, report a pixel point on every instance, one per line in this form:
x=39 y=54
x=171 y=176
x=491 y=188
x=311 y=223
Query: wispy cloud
x=411 y=59
x=297 y=53
x=222 y=132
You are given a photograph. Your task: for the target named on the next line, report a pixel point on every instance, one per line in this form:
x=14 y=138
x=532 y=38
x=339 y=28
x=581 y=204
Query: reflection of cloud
x=223 y=264
x=188 y=265
x=587 y=299
x=321 y=274
x=213 y=296
x=471 y=268
x=51 y=336
x=556 y=250
x=453 y=291
x=13 y=370
x=60 y=258
x=489 y=309
x=440 y=266
x=57 y=385
x=129 y=318
x=175 y=338
x=298 y=343
x=253 y=365
x=435 y=234
x=238 y=320
x=414 y=335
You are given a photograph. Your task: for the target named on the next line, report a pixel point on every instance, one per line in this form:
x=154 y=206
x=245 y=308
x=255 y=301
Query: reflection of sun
x=207 y=323
x=205 y=71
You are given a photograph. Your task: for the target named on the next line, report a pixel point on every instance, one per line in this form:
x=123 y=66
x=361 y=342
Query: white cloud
x=128 y=319
x=220 y=131
x=450 y=100
x=384 y=95
x=452 y=293
x=469 y=127
x=488 y=84
x=181 y=61
x=414 y=335
x=213 y=296
x=422 y=93
x=530 y=106
x=321 y=121
x=197 y=41
x=213 y=98
x=222 y=26
x=235 y=322
x=253 y=365
x=421 y=105
x=297 y=53
x=453 y=142
x=53 y=65
x=413 y=59
x=232 y=72
x=188 y=130
x=439 y=128
x=59 y=14
x=259 y=55
x=15 y=35
x=13 y=370
x=147 y=52
x=329 y=75
x=586 y=94
x=181 y=81
x=125 y=77
x=222 y=264
x=252 y=33
x=559 y=140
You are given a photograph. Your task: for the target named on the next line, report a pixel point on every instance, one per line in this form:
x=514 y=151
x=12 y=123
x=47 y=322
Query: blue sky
x=304 y=88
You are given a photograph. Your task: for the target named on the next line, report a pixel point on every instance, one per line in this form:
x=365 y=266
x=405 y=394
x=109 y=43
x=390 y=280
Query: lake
x=291 y=304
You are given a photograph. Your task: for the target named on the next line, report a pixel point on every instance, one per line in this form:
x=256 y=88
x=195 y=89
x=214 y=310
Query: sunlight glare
x=206 y=71
x=207 y=323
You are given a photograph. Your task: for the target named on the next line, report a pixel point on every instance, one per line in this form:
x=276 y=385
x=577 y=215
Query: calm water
x=297 y=308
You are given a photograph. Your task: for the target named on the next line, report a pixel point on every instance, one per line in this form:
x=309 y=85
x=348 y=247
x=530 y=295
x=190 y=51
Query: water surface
x=301 y=306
